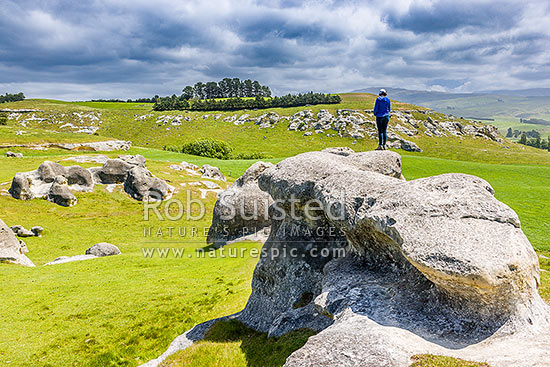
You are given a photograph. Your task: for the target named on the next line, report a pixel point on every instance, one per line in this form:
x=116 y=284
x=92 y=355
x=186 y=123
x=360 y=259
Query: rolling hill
x=502 y=108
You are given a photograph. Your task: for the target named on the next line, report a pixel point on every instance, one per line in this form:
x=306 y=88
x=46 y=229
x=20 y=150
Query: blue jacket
x=382 y=107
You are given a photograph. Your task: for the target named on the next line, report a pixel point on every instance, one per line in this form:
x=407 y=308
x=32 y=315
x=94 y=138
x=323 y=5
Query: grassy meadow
x=125 y=310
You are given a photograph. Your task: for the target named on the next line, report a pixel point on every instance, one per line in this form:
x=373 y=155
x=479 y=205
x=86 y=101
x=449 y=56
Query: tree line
x=516 y=133
x=237 y=103
x=537 y=142
x=226 y=88
x=12 y=97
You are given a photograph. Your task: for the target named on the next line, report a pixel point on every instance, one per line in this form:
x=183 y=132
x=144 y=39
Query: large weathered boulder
x=11 y=249
x=60 y=193
x=48 y=171
x=242 y=209
x=114 y=171
x=77 y=175
x=103 y=249
x=386 y=268
x=142 y=185
x=434 y=265
x=20 y=188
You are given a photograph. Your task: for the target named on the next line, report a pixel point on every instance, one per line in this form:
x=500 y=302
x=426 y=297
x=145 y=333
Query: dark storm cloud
x=130 y=48
x=445 y=16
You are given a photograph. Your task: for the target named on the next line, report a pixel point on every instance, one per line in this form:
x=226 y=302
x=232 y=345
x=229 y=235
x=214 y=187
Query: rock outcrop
x=97 y=146
x=386 y=268
x=242 y=209
x=11 y=249
x=57 y=183
x=14 y=155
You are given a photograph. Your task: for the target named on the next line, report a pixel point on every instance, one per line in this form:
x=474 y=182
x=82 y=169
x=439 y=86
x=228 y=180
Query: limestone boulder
x=48 y=171
x=37 y=231
x=134 y=160
x=242 y=209
x=114 y=171
x=21 y=231
x=60 y=193
x=14 y=155
x=11 y=249
x=385 y=268
x=103 y=249
x=20 y=187
x=142 y=185
x=211 y=172
x=77 y=175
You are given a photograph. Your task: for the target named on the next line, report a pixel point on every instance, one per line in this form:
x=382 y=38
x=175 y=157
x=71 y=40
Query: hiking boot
x=379 y=148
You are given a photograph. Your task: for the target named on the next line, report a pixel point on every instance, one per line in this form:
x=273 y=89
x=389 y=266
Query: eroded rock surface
x=57 y=183
x=242 y=209
x=12 y=250
x=390 y=268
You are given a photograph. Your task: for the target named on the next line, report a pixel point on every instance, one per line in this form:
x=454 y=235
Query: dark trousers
x=382 y=126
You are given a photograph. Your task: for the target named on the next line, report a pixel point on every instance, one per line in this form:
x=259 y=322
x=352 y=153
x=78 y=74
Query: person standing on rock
x=382 y=108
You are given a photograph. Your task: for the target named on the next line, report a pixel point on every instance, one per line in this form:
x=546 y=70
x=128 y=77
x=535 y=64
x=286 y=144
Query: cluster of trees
x=536 y=143
x=12 y=97
x=226 y=88
x=516 y=133
x=236 y=103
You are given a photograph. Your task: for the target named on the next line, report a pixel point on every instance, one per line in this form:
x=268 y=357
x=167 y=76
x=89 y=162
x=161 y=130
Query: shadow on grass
x=231 y=343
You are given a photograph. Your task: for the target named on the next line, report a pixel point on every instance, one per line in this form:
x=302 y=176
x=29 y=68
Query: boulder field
x=385 y=268
x=57 y=183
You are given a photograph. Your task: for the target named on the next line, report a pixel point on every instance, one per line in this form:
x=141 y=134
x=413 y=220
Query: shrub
x=210 y=148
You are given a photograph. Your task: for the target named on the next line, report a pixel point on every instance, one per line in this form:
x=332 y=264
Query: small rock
x=21 y=231
x=211 y=172
x=37 y=230
x=14 y=155
x=103 y=249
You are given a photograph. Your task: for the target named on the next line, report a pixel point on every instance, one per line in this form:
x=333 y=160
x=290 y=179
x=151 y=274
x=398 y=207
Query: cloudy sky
x=133 y=48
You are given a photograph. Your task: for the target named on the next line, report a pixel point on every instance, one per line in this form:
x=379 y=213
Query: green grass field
x=119 y=120
x=126 y=309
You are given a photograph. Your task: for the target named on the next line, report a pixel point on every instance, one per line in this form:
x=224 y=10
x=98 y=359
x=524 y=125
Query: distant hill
x=533 y=92
x=499 y=105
